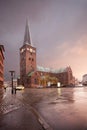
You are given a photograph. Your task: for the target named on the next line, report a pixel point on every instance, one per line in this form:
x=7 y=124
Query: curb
x=44 y=124
x=41 y=120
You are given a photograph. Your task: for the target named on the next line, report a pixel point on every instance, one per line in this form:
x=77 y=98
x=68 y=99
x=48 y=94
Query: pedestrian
x=5 y=88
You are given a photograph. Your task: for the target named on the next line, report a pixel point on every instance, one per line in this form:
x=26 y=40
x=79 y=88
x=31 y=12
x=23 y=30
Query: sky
x=58 y=29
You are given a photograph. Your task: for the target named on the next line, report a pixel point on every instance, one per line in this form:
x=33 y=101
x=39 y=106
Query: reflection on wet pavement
x=62 y=108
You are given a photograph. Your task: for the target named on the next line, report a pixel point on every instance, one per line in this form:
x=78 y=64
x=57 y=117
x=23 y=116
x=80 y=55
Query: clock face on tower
x=22 y=50
x=31 y=50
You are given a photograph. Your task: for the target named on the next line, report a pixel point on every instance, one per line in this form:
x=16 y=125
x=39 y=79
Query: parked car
x=20 y=87
x=39 y=86
x=80 y=85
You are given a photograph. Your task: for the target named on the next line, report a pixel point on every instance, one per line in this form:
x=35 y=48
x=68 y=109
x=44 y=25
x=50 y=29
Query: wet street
x=62 y=108
x=14 y=114
x=56 y=109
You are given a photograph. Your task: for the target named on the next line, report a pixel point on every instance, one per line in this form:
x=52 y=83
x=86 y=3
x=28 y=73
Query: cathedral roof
x=31 y=73
x=43 y=69
x=49 y=70
x=27 y=34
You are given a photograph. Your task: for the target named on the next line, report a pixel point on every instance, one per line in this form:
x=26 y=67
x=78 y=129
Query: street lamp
x=12 y=75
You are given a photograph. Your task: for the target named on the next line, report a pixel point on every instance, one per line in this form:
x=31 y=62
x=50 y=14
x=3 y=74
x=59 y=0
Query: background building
x=84 y=79
x=32 y=75
x=1 y=65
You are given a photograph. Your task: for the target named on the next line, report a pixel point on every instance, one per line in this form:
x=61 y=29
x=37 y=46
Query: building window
x=41 y=73
x=35 y=81
x=32 y=59
x=35 y=73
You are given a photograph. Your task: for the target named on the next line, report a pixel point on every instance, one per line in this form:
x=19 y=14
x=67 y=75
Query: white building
x=84 y=79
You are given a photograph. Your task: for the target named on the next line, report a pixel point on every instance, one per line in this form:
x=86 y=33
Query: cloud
x=74 y=55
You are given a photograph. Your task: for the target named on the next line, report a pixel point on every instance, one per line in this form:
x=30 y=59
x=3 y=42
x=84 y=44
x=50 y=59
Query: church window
x=41 y=74
x=27 y=49
x=35 y=73
x=35 y=80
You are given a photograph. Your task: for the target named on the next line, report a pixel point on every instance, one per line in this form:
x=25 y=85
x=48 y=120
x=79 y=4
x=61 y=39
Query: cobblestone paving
x=9 y=102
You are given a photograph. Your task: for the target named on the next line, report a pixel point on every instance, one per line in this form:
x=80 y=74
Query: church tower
x=27 y=56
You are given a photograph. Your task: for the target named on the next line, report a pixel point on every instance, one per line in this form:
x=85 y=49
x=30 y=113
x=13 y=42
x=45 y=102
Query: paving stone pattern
x=8 y=102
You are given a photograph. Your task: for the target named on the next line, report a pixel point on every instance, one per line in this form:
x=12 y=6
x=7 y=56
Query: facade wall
x=27 y=62
x=84 y=80
x=65 y=78
x=1 y=66
x=34 y=79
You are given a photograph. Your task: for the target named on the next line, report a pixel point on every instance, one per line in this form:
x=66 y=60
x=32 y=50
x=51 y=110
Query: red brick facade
x=65 y=78
x=1 y=65
x=27 y=61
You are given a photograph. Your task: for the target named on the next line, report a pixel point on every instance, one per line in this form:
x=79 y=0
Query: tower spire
x=27 y=34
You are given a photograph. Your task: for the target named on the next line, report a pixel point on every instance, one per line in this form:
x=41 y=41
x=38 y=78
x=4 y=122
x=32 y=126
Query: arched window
x=35 y=81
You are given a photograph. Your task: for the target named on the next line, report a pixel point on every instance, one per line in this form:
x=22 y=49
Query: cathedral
x=32 y=75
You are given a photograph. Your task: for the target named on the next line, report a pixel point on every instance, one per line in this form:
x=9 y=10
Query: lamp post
x=12 y=75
